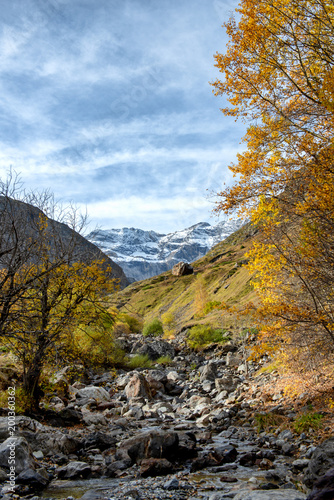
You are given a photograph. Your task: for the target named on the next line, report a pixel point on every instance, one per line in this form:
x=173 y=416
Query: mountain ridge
x=144 y=254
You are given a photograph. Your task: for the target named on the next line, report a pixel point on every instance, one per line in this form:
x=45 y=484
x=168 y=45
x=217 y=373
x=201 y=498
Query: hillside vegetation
x=219 y=277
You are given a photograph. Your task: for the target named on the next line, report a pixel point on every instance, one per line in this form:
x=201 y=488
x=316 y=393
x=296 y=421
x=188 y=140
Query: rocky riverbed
x=197 y=429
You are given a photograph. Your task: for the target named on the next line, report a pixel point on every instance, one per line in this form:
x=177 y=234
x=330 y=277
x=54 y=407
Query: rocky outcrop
x=182 y=269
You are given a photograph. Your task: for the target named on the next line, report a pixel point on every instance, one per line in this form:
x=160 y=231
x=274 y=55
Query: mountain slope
x=219 y=276
x=26 y=216
x=143 y=254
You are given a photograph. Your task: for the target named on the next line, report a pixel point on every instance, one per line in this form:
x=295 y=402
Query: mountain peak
x=143 y=254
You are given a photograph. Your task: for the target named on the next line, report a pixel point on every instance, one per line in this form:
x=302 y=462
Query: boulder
x=157 y=349
x=209 y=372
x=182 y=269
x=227 y=383
x=74 y=470
x=93 y=392
x=323 y=489
x=100 y=440
x=321 y=461
x=35 y=480
x=152 y=444
x=155 y=467
x=138 y=387
x=16 y=449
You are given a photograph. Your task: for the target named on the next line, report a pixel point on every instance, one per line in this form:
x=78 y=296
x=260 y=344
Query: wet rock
x=138 y=387
x=321 y=461
x=17 y=449
x=155 y=467
x=172 y=484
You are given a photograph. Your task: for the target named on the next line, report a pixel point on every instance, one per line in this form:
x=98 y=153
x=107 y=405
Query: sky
x=107 y=103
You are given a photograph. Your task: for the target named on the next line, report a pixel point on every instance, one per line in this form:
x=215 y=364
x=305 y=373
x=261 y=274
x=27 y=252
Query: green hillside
x=219 y=276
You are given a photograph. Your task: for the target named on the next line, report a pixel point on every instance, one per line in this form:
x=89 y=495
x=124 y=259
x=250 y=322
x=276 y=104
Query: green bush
x=308 y=421
x=154 y=328
x=209 y=306
x=202 y=335
x=164 y=360
x=135 y=324
x=139 y=361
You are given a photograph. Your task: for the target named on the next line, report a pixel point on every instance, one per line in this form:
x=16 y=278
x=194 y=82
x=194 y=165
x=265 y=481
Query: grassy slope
x=224 y=281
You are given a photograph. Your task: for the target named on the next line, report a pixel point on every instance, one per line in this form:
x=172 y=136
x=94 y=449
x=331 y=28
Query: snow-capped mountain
x=143 y=254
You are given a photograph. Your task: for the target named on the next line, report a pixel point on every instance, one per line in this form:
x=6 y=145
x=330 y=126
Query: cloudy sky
x=108 y=104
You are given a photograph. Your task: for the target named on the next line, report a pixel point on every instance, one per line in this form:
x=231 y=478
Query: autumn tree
x=49 y=281
x=279 y=77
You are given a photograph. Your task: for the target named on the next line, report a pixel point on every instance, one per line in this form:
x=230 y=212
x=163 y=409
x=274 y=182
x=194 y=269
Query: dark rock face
x=323 y=489
x=182 y=269
x=321 y=461
x=20 y=449
x=35 y=480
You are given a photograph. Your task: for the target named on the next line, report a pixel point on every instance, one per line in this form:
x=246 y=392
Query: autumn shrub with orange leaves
x=278 y=74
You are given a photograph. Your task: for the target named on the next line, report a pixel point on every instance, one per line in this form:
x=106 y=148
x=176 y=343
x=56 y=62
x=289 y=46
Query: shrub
x=264 y=421
x=154 y=328
x=202 y=335
x=168 y=320
x=209 y=306
x=308 y=421
x=164 y=360
x=139 y=361
x=135 y=324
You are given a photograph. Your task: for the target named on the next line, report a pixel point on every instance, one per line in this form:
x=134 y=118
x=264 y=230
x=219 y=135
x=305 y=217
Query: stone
x=209 y=372
x=157 y=349
x=155 y=467
x=151 y=444
x=18 y=449
x=35 y=480
x=100 y=440
x=182 y=269
x=323 y=489
x=74 y=470
x=93 y=392
x=227 y=383
x=138 y=387
x=321 y=461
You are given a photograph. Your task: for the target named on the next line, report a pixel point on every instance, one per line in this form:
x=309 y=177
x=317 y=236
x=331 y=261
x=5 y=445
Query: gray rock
x=138 y=387
x=321 y=461
x=152 y=444
x=74 y=470
x=35 y=480
x=17 y=449
x=92 y=392
x=172 y=484
x=156 y=349
x=323 y=489
x=209 y=372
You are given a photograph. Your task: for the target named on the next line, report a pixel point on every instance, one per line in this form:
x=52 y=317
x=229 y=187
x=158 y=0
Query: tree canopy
x=278 y=74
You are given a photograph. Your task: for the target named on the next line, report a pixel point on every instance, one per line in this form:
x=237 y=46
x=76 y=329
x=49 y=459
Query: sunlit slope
x=219 y=276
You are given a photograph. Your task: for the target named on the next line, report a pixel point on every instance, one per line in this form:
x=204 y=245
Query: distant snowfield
x=143 y=254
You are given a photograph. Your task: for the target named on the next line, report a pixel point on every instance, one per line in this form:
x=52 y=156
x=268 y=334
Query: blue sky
x=108 y=104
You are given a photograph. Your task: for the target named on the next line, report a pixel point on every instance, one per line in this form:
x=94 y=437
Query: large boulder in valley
x=152 y=444
x=156 y=349
x=182 y=269
x=93 y=392
x=138 y=387
x=18 y=450
x=321 y=461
